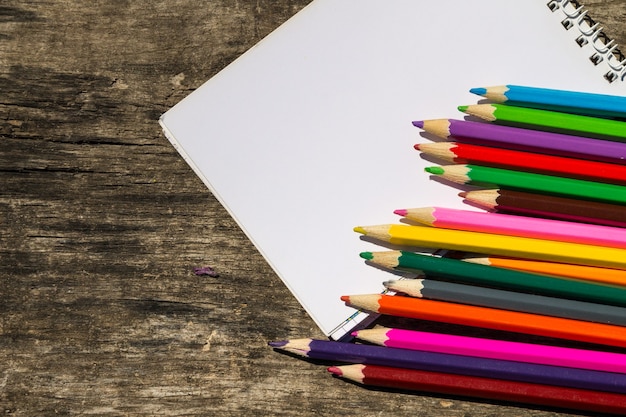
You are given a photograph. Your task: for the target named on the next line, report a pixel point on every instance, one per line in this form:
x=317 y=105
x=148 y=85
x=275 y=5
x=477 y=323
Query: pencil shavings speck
x=205 y=271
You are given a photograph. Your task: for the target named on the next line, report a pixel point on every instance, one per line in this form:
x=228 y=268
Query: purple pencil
x=455 y=364
x=490 y=134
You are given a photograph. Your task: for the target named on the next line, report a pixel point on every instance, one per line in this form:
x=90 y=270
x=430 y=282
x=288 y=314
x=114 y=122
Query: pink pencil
x=514 y=225
x=495 y=349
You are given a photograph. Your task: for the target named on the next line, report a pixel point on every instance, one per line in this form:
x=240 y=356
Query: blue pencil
x=599 y=105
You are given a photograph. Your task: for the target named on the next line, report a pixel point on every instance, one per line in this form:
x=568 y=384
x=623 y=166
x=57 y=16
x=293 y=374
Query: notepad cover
x=309 y=133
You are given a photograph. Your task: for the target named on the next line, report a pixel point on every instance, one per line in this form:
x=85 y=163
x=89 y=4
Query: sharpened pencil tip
x=434 y=170
x=417 y=147
x=463 y=108
x=401 y=212
x=345 y=298
x=478 y=91
x=463 y=194
x=335 y=370
x=418 y=123
x=366 y=255
x=278 y=344
x=360 y=230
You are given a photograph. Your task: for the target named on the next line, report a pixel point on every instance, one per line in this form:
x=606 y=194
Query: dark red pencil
x=485 y=388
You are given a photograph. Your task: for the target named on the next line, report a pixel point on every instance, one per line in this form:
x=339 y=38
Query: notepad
x=309 y=133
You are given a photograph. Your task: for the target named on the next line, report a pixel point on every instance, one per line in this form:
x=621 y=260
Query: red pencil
x=464 y=153
x=486 y=388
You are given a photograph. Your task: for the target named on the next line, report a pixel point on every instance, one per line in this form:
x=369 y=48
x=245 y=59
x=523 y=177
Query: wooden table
x=103 y=223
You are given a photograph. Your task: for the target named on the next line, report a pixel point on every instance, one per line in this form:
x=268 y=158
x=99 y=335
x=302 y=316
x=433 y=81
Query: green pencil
x=549 y=120
x=502 y=278
x=528 y=181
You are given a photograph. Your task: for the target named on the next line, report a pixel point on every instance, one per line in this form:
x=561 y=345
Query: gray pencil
x=509 y=300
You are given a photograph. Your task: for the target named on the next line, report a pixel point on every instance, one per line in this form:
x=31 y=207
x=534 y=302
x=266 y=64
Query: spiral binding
x=591 y=35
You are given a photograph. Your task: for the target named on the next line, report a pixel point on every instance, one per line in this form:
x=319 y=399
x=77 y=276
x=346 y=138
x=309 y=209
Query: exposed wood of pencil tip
x=380 y=232
x=423 y=215
x=377 y=335
x=385 y=259
x=482 y=111
x=455 y=173
x=484 y=198
x=437 y=127
x=411 y=287
x=352 y=372
x=480 y=261
x=296 y=346
x=497 y=93
x=439 y=150
x=367 y=302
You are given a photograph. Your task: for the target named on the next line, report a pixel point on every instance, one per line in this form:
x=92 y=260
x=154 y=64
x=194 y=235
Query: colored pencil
x=485 y=388
x=549 y=120
x=587 y=273
x=492 y=244
x=464 y=153
x=494 y=349
x=527 y=181
x=455 y=364
x=449 y=269
x=509 y=300
x=512 y=225
x=489 y=318
x=543 y=205
x=531 y=140
x=600 y=105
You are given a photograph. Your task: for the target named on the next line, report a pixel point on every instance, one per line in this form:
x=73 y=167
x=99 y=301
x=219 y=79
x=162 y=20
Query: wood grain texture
x=103 y=222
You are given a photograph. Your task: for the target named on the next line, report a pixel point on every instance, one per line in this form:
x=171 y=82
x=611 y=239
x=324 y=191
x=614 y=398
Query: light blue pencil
x=599 y=105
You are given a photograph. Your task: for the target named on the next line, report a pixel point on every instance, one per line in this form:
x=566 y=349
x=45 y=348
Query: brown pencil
x=530 y=204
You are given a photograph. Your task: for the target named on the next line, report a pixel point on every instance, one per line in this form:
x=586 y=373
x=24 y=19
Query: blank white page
x=309 y=133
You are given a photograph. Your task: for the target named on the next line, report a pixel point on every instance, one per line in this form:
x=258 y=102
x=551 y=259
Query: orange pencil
x=582 y=272
x=490 y=318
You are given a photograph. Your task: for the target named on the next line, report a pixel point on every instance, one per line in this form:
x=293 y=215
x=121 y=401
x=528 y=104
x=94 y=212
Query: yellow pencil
x=513 y=246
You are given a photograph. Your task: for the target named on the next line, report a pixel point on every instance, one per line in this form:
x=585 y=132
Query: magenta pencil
x=512 y=225
x=495 y=349
x=490 y=134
